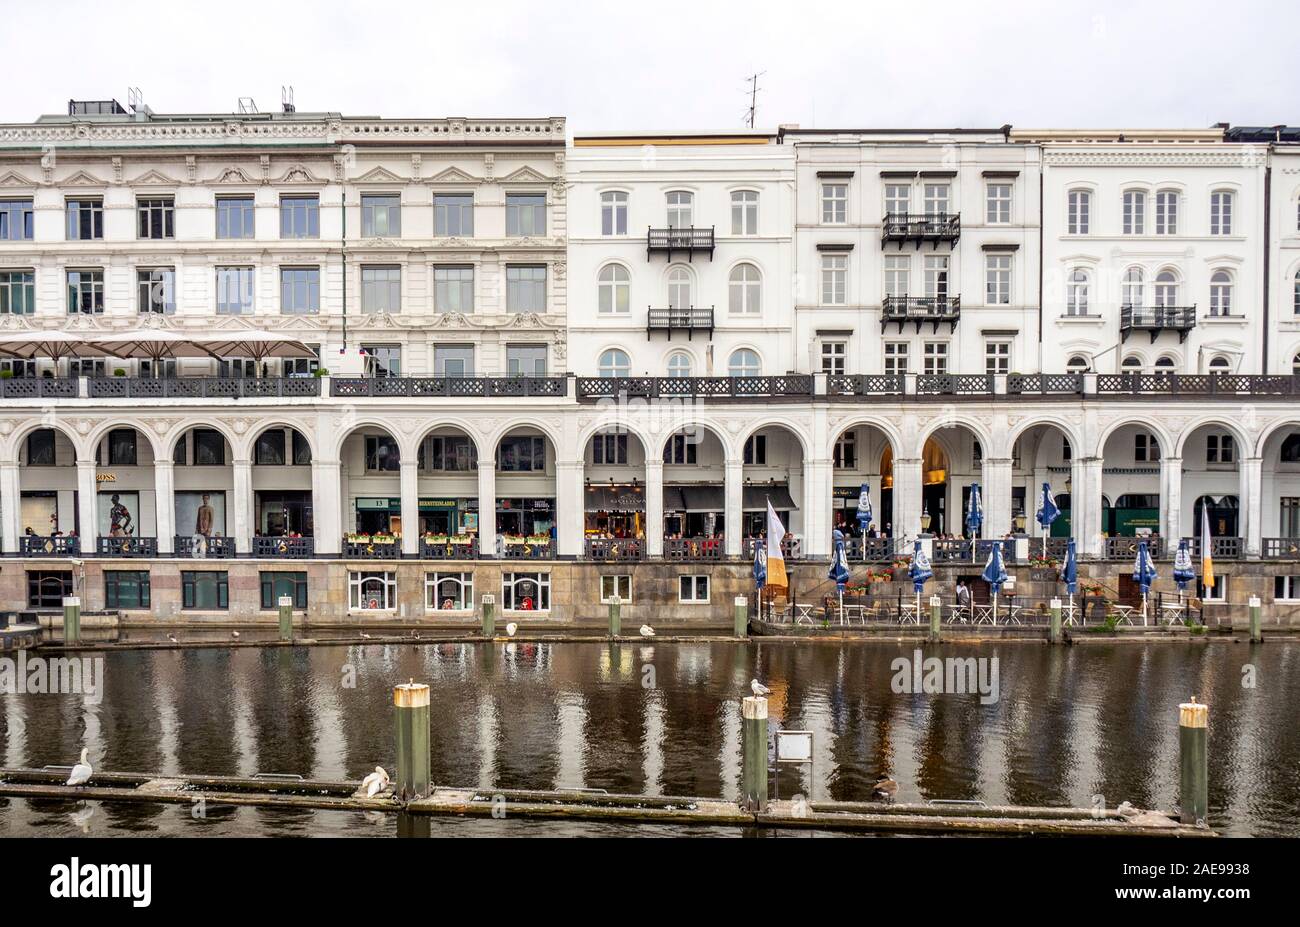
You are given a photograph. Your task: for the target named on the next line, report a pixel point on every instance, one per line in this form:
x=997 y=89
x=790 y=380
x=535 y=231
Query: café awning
x=151 y=344
x=52 y=344
x=255 y=344
x=704 y=498
x=755 y=498
x=673 y=501
x=616 y=498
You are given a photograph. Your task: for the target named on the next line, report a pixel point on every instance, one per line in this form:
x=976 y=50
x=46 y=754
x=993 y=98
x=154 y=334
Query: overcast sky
x=665 y=64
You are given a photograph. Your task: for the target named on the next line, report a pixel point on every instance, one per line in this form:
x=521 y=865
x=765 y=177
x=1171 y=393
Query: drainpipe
x=1268 y=204
x=343 y=249
x=1041 y=169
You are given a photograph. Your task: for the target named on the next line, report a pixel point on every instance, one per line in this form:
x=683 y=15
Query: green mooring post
x=1054 y=623
x=286 y=618
x=936 y=629
x=1193 y=762
x=71 y=619
x=742 y=616
x=489 y=615
x=753 y=795
x=615 y=616
x=411 y=702
x=1256 y=620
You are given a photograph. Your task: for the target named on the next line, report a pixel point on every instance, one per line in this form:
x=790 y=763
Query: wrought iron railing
x=954 y=384
x=448 y=548
x=284 y=547
x=1126 y=548
x=127 y=547
x=920 y=309
x=614 y=549
x=38 y=388
x=688 y=319
x=350 y=387
x=1146 y=385
x=201 y=387
x=527 y=550
x=871 y=550
x=694 y=548
x=199 y=547
x=357 y=547
x=913 y=226
x=34 y=545
x=1157 y=318
x=1044 y=384
x=593 y=389
x=791 y=548
x=1222 y=548
x=1280 y=549
x=688 y=240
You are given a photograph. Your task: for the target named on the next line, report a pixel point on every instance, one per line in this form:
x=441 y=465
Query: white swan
x=647 y=631
x=376 y=782
x=511 y=628
x=758 y=688
x=82 y=772
x=235 y=635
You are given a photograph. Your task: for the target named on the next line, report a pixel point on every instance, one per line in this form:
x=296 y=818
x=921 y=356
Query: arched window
x=1132 y=364
x=1221 y=212
x=1133 y=287
x=1295 y=365
x=1167 y=212
x=1221 y=293
x=681 y=209
x=1077 y=364
x=679 y=288
x=746 y=290
x=614 y=363
x=1165 y=365
x=1296 y=304
x=744 y=212
x=1166 y=289
x=743 y=363
x=1220 y=364
x=1076 y=292
x=679 y=365
x=614 y=290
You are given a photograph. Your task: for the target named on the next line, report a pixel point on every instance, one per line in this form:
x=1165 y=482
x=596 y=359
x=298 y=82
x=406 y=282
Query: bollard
x=286 y=618
x=742 y=616
x=411 y=700
x=1054 y=623
x=71 y=619
x=1193 y=761
x=936 y=630
x=489 y=615
x=1256 y=619
x=615 y=616
x=753 y=791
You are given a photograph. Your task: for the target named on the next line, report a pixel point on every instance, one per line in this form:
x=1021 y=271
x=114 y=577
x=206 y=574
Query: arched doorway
x=614 y=497
x=860 y=456
x=1041 y=454
x=283 y=506
x=772 y=466
x=935 y=470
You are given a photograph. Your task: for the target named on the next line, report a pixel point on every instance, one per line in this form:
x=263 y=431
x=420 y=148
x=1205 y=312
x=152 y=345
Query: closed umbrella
x=920 y=573
x=760 y=572
x=1184 y=572
x=839 y=570
x=974 y=511
x=1047 y=513
x=995 y=574
x=864 y=514
x=1070 y=572
x=1144 y=574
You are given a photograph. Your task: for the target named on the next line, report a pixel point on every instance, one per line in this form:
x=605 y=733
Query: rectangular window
x=1078 y=212
x=85 y=219
x=46 y=588
x=381 y=289
x=936 y=358
x=997 y=279
x=896 y=357
x=693 y=590
x=156 y=217
x=381 y=215
x=453 y=289
x=1135 y=208
x=300 y=216
x=526 y=591
x=383 y=360
x=449 y=592
x=1219 y=449
x=526 y=288
x=299 y=290
x=40 y=448
x=522 y=454
x=835 y=279
x=269 y=449
x=121 y=447
x=998 y=206
x=209 y=448
x=755 y=452
x=1167 y=213
x=1221 y=213
x=526 y=360
x=234 y=217
x=834 y=357
x=382 y=454
x=613 y=213
x=898 y=274
x=453 y=360
x=682 y=449
x=16 y=220
x=126 y=588
x=1145 y=448
x=609 y=449
x=936 y=276
x=1286 y=588
x=898 y=199
x=86 y=291
x=447 y=453
x=1216 y=593
x=525 y=213
x=156 y=289
x=301 y=366
x=235 y=286
x=744 y=213
x=372 y=590
x=835 y=203
x=207 y=589
x=846 y=452
x=937 y=197
x=277 y=584
x=17 y=292
x=617 y=587
x=997 y=357
x=453 y=215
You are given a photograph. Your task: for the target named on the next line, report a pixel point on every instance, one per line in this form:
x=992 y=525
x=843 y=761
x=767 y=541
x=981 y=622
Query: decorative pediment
x=233 y=175
x=453 y=175
x=154 y=178
x=299 y=173
x=451 y=320
x=526 y=175
x=379 y=174
x=82 y=179
x=15 y=179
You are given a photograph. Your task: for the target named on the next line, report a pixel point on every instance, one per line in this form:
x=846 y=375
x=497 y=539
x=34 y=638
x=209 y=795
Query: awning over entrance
x=673 y=500
x=703 y=498
x=755 y=498
x=623 y=497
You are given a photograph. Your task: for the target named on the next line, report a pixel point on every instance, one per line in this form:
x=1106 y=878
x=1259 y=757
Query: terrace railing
x=448 y=548
x=127 y=547
x=201 y=387
x=1280 y=549
x=283 y=547
x=456 y=387
x=789 y=386
x=694 y=548
x=919 y=227
x=201 y=548
x=614 y=549
x=33 y=545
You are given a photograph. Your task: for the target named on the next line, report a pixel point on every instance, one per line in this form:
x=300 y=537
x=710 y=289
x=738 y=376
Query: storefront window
x=526 y=591
x=372 y=590
x=204 y=589
x=448 y=591
x=126 y=588
x=46 y=588
x=275 y=585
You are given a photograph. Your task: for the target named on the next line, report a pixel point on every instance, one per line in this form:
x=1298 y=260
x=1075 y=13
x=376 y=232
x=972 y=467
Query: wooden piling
x=489 y=615
x=615 y=616
x=1054 y=623
x=1256 y=620
x=71 y=619
x=1193 y=762
x=741 y=616
x=936 y=618
x=753 y=793
x=411 y=701
x=286 y=618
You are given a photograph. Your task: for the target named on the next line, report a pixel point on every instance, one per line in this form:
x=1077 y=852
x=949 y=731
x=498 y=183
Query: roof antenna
x=752 y=80
x=247 y=106
x=286 y=99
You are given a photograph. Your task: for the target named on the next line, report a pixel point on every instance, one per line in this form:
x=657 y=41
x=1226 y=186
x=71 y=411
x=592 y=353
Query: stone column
x=571 y=506
x=997 y=497
x=907 y=486
x=1090 y=489
x=87 y=506
x=243 y=521
x=164 y=505
x=654 y=507
x=1171 y=500
x=732 y=511
x=487 y=506
x=410 y=491
x=10 y=506
x=1251 y=502
x=818 y=478
x=327 y=506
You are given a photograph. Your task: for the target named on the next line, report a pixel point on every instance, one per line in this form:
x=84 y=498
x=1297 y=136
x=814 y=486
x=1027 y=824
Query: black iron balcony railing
x=361 y=547
x=920 y=227
x=201 y=387
x=1157 y=319
x=201 y=548
x=39 y=388
x=1044 y=384
x=791 y=548
x=1281 y=549
x=965 y=550
x=790 y=386
x=33 y=545
x=687 y=241
x=286 y=548
x=1223 y=548
x=869 y=384
x=349 y=387
x=871 y=550
x=614 y=549
x=954 y=384
x=127 y=547
x=1126 y=548
x=526 y=549
x=435 y=547
x=690 y=319
x=694 y=548
x=920 y=309
x=1147 y=385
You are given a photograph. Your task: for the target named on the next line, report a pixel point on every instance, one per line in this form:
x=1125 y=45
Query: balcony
x=1157 y=319
x=690 y=320
x=694 y=548
x=38 y=388
x=791 y=549
x=127 y=547
x=202 y=548
x=531 y=548
x=683 y=241
x=920 y=309
x=201 y=387
x=1281 y=549
x=364 y=547
x=614 y=550
x=1126 y=548
x=954 y=384
x=790 y=386
x=34 y=545
x=284 y=548
x=933 y=227
x=872 y=550
x=447 y=547
x=455 y=387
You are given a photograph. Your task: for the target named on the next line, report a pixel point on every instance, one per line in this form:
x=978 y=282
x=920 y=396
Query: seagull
x=511 y=628
x=81 y=773
x=376 y=782
x=885 y=788
x=172 y=638
x=647 y=631
x=365 y=636
x=235 y=635
x=758 y=688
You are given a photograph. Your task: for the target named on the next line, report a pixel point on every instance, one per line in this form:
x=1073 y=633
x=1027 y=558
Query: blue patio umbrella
x=839 y=570
x=1184 y=572
x=919 y=571
x=760 y=565
x=974 y=511
x=1048 y=512
x=1070 y=570
x=864 y=511
x=1144 y=574
x=995 y=574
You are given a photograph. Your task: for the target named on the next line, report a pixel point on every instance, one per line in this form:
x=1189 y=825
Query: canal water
x=1068 y=724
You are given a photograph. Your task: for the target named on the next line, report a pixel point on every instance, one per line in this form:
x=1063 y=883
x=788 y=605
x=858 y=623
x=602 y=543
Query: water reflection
x=664 y=718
